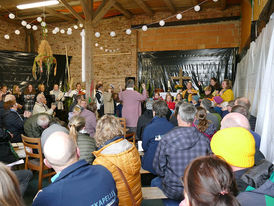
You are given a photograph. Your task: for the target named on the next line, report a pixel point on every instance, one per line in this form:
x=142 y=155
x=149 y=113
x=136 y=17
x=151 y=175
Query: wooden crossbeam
x=72 y=11
x=102 y=10
x=144 y=6
x=58 y=14
x=86 y=9
x=124 y=11
x=181 y=78
x=170 y=5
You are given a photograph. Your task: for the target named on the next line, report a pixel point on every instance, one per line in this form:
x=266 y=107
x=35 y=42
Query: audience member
x=77 y=91
x=246 y=103
x=208 y=93
x=215 y=86
x=187 y=94
x=76 y=101
x=108 y=102
x=226 y=93
x=76 y=182
x=173 y=117
x=209 y=181
x=174 y=152
x=85 y=143
x=204 y=125
x=117 y=105
x=4 y=90
x=41 y=105
x=18 y=95
x=58 y=98
x=157 y=96
x=90 y=118
x=178 y=98
x=144 y=119
x=36 y=124
x=158 y=126
x=100 y=99
x=9 y=188
x=210 y=113
x=195 y=100
x=29 y=98
x=121 y=158
x=169 y=101
x=132 y=104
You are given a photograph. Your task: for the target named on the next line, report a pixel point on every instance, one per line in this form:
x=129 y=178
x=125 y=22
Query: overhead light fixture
x=37 y=4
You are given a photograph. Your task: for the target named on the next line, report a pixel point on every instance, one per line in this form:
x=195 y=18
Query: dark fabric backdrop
x=16 y=68
x=158 y=67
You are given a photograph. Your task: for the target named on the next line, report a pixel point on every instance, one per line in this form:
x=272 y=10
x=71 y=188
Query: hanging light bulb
x=112 y=34
x=101 y=48
x=46 y=30
x=96 y=44
x=69 y=32
x=57 y=29
x=28 y=26
x=179 y=16
x=81 y=25
x=215 y=0
x=54 y=31
x=7 y=36
x=75 y=27
x=24 y=23
x=128 y=31
x=144 y=28
x=62 y=31
x=17 y=32
x=34 y=27
x=70 y=29
x=106 y=50
x=197 y=8
x=97 y=34
x=162 y=23
x=39 y=19
x=11 y=16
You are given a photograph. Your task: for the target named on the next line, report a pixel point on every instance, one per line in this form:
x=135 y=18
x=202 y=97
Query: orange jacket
x=128 y=160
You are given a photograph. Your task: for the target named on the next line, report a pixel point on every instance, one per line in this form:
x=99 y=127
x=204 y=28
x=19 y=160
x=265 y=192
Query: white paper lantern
x=215 y=0
x=144 y=28
x=96 y=44
x=43 y=24
x=28 y=26
x=101 y=48
x=54 y=31
x=128 y=31
x=62 y=31
x=162 y=23
x=11 y=16
x=39 y=19
x=34 y=27
x=69 y=32
x=112 y=34
x=57 y=29
x=69 y=29
x=7 y=36
x=81 y=25
x=197 y=8
x=179 y=16
x=75 y=27
x=17 y=32
x=97 y=34
x=106 y=50
x=24 y=23
x=46 y=30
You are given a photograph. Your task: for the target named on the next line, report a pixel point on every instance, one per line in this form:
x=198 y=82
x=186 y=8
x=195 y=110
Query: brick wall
x=114 y=67
x=16 y=42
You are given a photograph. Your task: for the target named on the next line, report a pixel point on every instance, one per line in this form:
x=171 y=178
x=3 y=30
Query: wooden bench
x=153 y=193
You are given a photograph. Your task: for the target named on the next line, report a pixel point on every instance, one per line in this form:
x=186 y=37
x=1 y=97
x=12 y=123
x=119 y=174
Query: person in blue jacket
x=76 y=182
x=151 y=136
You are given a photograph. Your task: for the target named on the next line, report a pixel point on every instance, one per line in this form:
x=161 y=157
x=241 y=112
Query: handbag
x=127 y=186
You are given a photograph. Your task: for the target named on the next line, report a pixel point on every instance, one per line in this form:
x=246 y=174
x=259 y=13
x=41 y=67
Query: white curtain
x=255 y=80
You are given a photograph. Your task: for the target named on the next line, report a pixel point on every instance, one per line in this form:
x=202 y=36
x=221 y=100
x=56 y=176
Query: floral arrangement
x=178 y=87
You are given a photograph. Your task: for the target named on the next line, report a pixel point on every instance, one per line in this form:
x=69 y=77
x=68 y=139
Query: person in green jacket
x=86 y=144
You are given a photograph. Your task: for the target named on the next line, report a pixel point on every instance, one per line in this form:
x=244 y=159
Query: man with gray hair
x=174 y=152
x=76 y=182
x=41 y=105
x=36 y=124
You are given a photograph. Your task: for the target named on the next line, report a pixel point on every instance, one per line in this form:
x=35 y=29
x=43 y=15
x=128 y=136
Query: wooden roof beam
x=124 y=11
x=170 y=5
x=87 y=7
x=72 y=11
x=144 y=6
x=102 y=10
x=58 y=14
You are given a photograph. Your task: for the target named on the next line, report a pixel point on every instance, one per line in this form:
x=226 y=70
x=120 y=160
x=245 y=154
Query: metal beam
x=124 y=11
x=170 y=5
x=58 y=14
x=102 y=10
x=144 y=6
x=72 y=11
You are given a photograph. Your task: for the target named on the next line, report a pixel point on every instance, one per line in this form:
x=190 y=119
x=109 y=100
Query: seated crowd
x=200 y=149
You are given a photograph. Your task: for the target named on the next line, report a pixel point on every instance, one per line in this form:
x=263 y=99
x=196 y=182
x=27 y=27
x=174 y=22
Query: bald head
x=243 y=101
x=235 y=120
x=60 y=150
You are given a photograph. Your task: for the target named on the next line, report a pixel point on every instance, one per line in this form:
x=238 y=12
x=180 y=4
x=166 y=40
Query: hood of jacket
x=122 y=154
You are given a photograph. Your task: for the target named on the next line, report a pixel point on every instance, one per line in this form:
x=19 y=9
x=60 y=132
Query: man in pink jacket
x=132 y=104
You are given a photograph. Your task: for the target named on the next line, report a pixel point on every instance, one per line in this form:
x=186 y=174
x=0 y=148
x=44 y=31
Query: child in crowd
x=157 y=96
x=170 y=103
x=178 y=98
